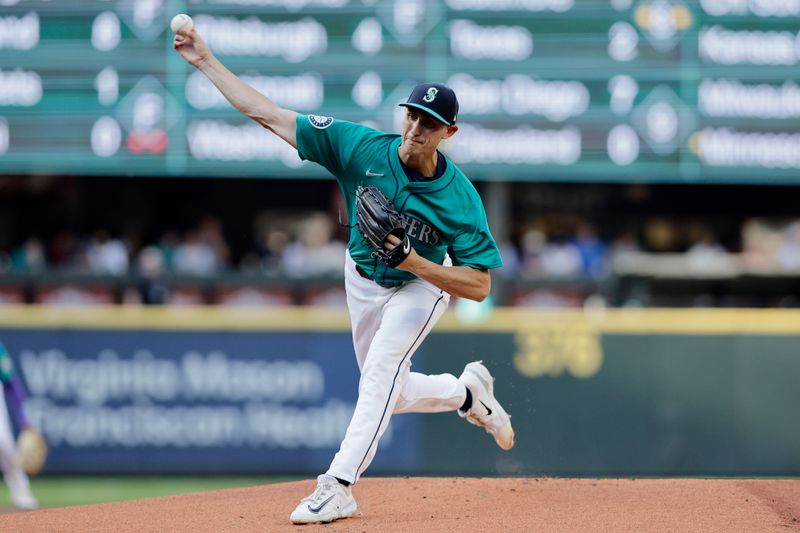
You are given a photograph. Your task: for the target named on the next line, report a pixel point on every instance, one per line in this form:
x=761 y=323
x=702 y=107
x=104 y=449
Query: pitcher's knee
x=402 y=404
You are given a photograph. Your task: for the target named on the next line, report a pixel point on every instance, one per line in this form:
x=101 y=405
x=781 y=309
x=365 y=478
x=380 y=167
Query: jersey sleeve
x=6 y=365
x=474 y=245
x=329 y=142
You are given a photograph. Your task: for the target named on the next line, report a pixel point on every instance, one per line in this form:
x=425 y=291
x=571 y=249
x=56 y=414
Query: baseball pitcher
x=419 y=237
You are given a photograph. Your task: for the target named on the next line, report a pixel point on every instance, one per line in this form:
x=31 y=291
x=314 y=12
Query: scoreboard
x=551 y=90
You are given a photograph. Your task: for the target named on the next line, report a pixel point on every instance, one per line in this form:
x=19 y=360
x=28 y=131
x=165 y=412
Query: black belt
x=386 y=285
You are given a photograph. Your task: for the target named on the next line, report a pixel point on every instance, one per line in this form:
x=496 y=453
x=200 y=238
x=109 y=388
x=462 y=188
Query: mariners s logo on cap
x=435 y=99
x=430 y=96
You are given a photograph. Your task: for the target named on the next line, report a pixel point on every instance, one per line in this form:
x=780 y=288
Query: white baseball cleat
x=20 y=491
x=330 y=501
x=25 y=502
x=486 y=411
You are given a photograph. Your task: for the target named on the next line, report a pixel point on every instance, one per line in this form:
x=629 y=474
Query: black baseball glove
x=377 y=219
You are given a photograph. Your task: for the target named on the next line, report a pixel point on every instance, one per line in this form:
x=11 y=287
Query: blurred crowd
x=311 y=245
x=302 y=248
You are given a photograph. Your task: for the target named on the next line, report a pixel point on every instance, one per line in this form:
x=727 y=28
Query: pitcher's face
x=422 y=133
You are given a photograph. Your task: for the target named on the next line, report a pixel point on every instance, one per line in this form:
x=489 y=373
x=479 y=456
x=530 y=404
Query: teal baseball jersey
x=444 y=215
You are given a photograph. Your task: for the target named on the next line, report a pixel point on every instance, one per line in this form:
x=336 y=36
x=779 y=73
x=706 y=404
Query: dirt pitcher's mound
x=447 y=505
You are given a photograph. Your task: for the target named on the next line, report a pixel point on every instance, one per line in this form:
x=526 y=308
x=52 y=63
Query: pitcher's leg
x=15 y=478
x=431 y=394
x=365 y=302
x=407 y=319
x=7 y=445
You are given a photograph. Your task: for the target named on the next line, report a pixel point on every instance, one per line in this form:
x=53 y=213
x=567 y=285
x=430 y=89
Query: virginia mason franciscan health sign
x=177 y=401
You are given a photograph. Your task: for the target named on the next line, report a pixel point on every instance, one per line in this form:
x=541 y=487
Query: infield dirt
x=446 y=505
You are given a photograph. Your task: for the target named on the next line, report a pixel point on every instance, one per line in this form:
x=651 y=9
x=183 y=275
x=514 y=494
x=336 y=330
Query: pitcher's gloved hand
x=377 y=219
x=31 y=450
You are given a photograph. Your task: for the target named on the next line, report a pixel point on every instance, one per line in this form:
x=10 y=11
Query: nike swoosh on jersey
x=371 y=174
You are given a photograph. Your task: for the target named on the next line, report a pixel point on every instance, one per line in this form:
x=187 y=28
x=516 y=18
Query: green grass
x=60 y=491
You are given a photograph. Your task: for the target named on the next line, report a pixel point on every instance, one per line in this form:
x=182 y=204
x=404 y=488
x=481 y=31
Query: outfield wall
x=213 y=390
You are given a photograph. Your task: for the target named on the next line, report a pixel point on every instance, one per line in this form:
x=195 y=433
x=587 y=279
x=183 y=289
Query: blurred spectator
x=593 y=251
x=211 y=233
x=661 y=235
x=29 y=257
x=788 y=254
x=151 y=267
x=761 y=242
x=558 y=257
x=511 y=260
x=194 y=256
x=270 y=238
x=532 y=245
x=272 y=249
x=561 y=258
x=64 y=250
x=203 y=252
x=625 y=243
x=107 y=255
x=167 y=244
x=314 y=253
x=705 y=251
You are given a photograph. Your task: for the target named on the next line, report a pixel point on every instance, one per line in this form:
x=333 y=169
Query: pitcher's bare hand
x=192 y=48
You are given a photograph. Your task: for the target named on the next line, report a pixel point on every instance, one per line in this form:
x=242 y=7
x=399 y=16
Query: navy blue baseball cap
x=436 y=99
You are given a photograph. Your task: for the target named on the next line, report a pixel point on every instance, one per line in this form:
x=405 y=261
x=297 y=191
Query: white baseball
x=181 y=23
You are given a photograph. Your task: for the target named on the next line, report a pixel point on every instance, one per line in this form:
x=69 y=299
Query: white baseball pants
x=15 y=477
x=388 y=327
